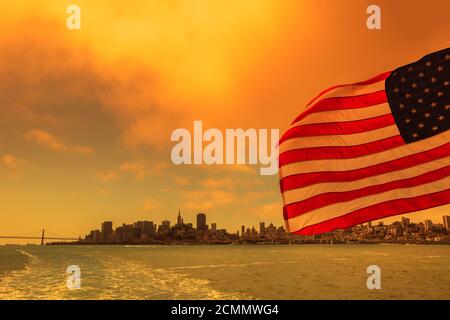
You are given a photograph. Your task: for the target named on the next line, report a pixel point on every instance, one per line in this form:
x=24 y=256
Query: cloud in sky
x=180 y=180
x=49 y=141
x=137 y=169
x=232 y=182
x=151 y=204
x=141 y=169
x=107 y=176
x=206 y=199
x=13 y=164
x=267 y=211
x=218 y=183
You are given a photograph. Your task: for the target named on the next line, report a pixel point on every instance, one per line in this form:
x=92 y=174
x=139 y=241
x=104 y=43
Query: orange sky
x=86 y=115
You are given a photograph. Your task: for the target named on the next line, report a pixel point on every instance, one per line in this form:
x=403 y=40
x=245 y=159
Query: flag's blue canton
x=418 y=95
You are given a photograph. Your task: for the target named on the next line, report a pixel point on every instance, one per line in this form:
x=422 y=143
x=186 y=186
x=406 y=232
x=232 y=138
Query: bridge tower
x=42 y=238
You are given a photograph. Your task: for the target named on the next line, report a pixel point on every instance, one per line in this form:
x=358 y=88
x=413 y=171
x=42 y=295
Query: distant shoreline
x=228 y=244
x=245 y=243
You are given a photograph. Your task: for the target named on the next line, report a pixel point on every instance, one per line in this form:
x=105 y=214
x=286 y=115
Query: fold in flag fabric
x=369 y=150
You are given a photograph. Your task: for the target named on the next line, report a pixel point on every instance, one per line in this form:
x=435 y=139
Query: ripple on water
x=131 y=280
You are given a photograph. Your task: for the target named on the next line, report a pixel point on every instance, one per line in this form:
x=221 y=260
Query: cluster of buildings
x=181 y=232
x=403 y=231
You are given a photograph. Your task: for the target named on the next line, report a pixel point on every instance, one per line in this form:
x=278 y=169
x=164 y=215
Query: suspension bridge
x=43 y=236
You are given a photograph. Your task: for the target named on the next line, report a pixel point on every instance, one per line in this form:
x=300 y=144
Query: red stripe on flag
x=342 y=103
x=307 y=179
x=298 y=208
x=336 y=128
x=378 y=211
x=338 y=152
x=378 y=78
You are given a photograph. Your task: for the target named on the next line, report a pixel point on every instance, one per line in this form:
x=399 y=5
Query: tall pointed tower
x=179 y=219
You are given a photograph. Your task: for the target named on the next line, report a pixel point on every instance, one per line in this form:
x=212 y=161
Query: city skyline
x=153 y=227
x=410 y=217
x=147 y=230
x=444 y=222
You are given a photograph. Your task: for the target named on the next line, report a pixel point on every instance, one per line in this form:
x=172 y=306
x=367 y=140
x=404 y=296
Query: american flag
x=369 y=150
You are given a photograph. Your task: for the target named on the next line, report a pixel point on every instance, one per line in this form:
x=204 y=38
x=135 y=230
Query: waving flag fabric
x=369 y=150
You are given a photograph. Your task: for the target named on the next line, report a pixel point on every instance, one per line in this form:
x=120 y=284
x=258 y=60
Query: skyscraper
x=201 y=222
x=106 y=230
x=95 y=235
x=262 y=228
x=428 y=225
x=446 y=222
x=213 y=227
x=405 y=222
x=242 y=231
x=164 y=227
x=145 y=226
x=179 y=219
